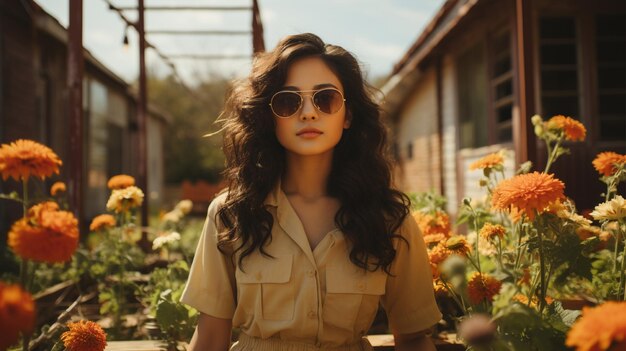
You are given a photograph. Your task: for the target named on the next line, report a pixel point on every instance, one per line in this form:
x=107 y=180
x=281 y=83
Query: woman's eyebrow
x=318 y=86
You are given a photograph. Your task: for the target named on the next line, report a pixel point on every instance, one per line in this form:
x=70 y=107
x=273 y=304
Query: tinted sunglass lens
x=328 y=101
x=285 y=104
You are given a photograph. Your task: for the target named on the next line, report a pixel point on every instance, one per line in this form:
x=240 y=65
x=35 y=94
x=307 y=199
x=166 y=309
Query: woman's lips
x=309 y=133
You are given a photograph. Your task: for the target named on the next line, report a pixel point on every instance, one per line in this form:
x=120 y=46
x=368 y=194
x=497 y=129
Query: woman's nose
x=308 y=110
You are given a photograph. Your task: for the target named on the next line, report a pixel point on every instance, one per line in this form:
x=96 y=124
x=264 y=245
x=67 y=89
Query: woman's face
x=311 y=73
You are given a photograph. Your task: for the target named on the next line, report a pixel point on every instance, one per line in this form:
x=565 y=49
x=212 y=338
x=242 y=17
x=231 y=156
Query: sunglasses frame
x=299 y=93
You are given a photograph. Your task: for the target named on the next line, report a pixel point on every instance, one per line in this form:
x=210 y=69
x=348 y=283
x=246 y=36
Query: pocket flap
x=340 y=280
x=260 y=269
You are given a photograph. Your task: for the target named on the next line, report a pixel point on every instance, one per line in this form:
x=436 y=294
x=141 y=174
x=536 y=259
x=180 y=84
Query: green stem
x=455 y=297
x=617 y=239
x=542 y=272
x=477 y=239
x=518 y=230
x=24 y=263
x=621 y=275
x=552 y=153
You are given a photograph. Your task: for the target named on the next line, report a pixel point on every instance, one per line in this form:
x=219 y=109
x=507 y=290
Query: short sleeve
x=409 y=298
x=211 y=285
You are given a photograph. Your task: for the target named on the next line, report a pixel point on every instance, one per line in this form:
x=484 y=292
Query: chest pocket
x=265 y=289
x=352 y=297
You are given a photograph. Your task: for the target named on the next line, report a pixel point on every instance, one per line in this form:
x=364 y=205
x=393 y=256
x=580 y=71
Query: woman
x=310 y=235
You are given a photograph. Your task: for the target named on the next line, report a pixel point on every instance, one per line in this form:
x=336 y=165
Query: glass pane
x=560 y=105
x=504 y=113
x=614 y=129
x=505 y=135
x=612 y=104
x=559 y=80
x=611 y=25
x=558 y=54
x=502 y=66
x=611 y=50
x=504 y=89
x=557 y=27
x=612 y=77
x=472 y=92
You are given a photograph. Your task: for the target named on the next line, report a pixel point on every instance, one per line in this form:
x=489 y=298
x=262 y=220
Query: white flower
x=173 y=216
x=184 y=206
x=614 y=209
x=158 y=242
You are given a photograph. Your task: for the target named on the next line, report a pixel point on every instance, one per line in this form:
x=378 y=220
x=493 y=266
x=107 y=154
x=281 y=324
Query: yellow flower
x=614 y=209
x=605 y=162
x=120 y=181
x=482 y=287
x=25 y=158
x=458 y=245
x=523 y=299
x=45 y=234
x=489 y=161
x=185 y=206
x=600 y=328
x=122 y=200
x=573 y=130
x=84 y=336
x=527 y=193
x=102 y=222
x=491 y=231
x=17 y=314
x=57 y=188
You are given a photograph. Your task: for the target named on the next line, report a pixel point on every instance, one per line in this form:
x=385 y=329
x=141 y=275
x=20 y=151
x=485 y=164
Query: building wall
x=417 y=138
x=449 y=112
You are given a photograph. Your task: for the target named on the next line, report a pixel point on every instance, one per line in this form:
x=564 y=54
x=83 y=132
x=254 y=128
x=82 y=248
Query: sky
x=377 y=32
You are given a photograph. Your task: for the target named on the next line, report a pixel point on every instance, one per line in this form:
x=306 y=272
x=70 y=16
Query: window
x=472 y=87
x=558 y=55
x=610 y=38
x=501 y=83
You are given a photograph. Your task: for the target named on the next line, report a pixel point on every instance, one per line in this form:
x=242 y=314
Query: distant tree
x=189 y=155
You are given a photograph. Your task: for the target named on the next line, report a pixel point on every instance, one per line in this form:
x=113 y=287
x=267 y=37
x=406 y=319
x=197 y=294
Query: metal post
x=142 y=120
x=75 y=67
x=258 y=44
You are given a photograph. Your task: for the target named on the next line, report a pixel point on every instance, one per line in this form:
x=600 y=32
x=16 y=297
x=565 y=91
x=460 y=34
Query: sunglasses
x=286 y=103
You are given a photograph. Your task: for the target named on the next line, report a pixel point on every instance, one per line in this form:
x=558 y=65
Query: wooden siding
x=418 y=127
x=449 y=133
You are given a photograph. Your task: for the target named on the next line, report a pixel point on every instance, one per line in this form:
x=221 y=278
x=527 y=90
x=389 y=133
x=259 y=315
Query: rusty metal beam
x=75 y=69
x=258 y=43
x=142 y=120
x=209 y=57
x=198 y=32
x=188 y=8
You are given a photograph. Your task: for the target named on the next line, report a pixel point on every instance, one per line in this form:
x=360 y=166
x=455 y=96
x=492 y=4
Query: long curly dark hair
x=370 y=212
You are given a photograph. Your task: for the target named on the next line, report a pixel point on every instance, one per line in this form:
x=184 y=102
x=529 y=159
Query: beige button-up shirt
x=313 y=296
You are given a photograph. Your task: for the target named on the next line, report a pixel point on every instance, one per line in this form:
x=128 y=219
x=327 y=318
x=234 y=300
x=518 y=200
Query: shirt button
x=310 y=273
x=311 y=314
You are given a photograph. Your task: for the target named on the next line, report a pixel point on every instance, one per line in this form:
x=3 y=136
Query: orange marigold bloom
x=489 y=161
x=120 y=181
x=458 y=245
x=17 y=314
x=84 y=336
x=525 y=278
x=605 y=162
x=527 y=193
x=573 y=130
x=437 y=223
x=482 y=287
x=438 y=254
x=102 y=222
x=491 y=231
x=45 y=235
x=434 y=238
x=23 y=158
x=599 y=328
x=57 y=188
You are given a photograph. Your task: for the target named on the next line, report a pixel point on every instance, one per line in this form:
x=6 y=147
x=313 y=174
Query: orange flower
x=491 y=231
x=102 y=222
x=24 y=158
x=45 y=235
x=458 y=245
x=605 y=162
x=482 y=287
x=434 y=238
x=573 y=130
x=120 y=181
x=525 y=278
x=57 y=188
x=84 y=336
x=527 y=193
x=437 y=223
x=17 y=314
x=600 y=328
x=489 y=161
x=523 y=299
x=438 y=254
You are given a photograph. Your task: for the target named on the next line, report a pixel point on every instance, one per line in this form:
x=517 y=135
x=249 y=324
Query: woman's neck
x=307 y=176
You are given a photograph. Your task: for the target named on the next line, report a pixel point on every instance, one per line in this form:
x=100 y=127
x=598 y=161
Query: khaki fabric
x=315 y=297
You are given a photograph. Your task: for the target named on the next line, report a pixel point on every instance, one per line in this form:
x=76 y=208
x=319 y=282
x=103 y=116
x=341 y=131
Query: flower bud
x=539 y=130
x=536 y=120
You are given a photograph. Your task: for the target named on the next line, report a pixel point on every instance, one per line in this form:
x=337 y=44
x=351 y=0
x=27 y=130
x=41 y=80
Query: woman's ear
x=348 y=121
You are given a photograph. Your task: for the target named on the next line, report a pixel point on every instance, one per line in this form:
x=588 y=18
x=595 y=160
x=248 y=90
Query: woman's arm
x=419 y=341
x=212 y=334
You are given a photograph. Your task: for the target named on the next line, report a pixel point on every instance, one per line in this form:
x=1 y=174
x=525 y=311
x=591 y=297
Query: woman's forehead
x=311 y=73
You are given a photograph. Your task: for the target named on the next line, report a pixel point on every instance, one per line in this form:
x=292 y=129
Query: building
x=471 y=82
x=34 y=105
